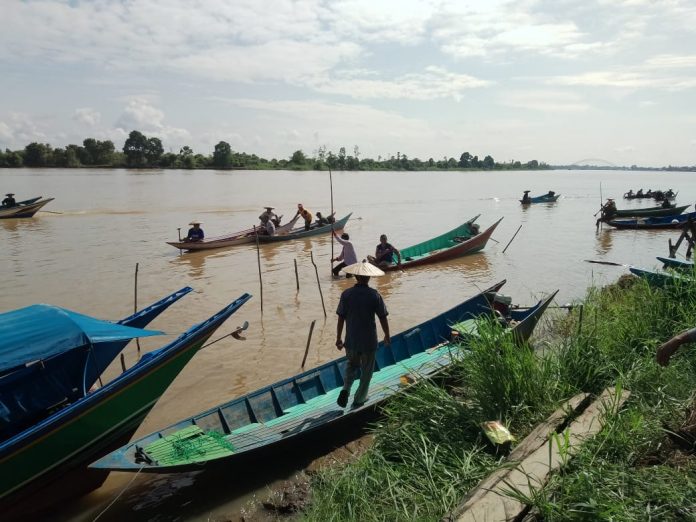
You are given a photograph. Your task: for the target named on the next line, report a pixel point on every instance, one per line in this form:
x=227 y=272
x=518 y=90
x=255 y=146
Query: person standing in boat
x=608 y=211
x=347 y=255
x=526 y=198
x=356 y=310
x=384 y=254
x=9 y=200
x=195 y=233
x=666 y=203
x=306 y=215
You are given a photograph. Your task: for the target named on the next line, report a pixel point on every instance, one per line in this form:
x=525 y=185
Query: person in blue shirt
x=195 y=233
x=356 y=311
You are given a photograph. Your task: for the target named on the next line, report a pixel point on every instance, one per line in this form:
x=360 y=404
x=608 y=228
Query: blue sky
x=553 y=80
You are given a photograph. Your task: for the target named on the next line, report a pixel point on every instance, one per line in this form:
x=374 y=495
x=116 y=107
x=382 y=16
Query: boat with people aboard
x=287 y=411
x=549 y=197
x=460 y=241
x=47 y=461
x=24 y=209
x=301 y=232
x=227 y=240
x=649 y=223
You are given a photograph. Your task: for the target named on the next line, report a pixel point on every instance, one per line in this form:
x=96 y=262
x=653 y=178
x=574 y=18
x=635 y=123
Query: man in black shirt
x=356 y=310
x=9 y=201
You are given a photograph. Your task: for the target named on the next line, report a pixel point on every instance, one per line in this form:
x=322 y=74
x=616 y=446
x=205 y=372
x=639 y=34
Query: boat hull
x=666 y=222
x=650 y=212
x=76 y=435
x=541 y=199
x=677 y=264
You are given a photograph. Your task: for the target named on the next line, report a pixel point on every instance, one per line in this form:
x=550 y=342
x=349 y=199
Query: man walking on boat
x=347 y=255
x=356 y=310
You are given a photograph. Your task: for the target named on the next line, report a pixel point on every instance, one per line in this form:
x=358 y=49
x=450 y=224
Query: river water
x=83 y=255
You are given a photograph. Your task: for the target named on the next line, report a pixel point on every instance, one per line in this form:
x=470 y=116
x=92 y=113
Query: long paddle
x=610 y=263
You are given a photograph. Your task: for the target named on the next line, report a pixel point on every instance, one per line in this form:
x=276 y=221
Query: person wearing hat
x=526 y=198
x=306 y=215
x=268 y=215
x=347 y=255
x=608 y=211
x=195 y=233
x=384 y=253
x=356 y=311
x=9 y=200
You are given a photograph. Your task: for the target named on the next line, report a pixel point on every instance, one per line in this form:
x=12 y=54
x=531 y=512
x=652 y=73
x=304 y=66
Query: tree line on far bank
x=140 y=151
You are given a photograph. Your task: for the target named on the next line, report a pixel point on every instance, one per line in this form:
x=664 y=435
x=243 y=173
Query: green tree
x=13 y=159
x=465 y=160
x=135 y=149
x=298 y=158
x=153 y=151
x=222 y=155
x=37 y=154
x=488 y=163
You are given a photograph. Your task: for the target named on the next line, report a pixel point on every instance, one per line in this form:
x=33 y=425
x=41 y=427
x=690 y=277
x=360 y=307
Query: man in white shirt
x=347 y=256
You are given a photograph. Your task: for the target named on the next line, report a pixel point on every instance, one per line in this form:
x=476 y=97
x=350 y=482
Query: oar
x=236 y=334
x=610 y=263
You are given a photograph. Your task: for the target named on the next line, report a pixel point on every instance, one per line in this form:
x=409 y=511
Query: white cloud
x=140 y=114
x=545 y=101
x=434 y=82
x=87 y=116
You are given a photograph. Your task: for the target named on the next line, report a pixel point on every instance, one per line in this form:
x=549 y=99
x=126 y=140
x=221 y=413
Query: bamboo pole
x=123 y=363
x=316 y=271
x=297 y=277
x=332 y=227
x=513 y=237
x=135 y=302
x=258 y=259
x=309 y=340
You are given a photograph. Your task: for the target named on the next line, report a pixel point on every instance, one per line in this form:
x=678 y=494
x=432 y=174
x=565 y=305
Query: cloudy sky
x=554 y=80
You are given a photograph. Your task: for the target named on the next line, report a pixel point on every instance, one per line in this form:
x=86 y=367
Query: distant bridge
x=593 y=162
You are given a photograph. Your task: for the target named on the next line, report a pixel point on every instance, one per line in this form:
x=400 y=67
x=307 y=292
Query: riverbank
x=420 y=466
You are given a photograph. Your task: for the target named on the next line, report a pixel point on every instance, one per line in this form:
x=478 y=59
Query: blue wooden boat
x=650 y=223
x=660 y=279
x=300 y=232
x=288 y=410
x=546 y=198
x=35 y=383
x=677 y=264
x=66 y=441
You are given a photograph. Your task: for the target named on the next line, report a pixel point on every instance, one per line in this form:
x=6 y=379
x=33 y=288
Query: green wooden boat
x=650 y=211
x=285 y=412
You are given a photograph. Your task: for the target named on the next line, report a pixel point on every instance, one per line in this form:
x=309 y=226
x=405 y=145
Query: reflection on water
x=85 y=259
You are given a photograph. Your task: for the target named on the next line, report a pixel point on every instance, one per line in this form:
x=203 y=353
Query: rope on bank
x=119 y=495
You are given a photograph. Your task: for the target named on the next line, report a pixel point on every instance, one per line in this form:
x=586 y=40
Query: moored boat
x=291 y=409
x=677 y=264
x=660 y=279
x=69 y=439
x=35 y=383
x=647 y=223
x=650 y=211
x=24 y=209
x=227 y=240
x=460 y=241
x=300 y=232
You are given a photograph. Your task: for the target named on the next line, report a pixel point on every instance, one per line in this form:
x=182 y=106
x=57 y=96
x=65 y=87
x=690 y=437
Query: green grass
x=429 y=449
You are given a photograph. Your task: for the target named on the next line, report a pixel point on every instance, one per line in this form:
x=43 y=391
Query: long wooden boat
x=291 y=409
x=460 y=241
x=660 y=279
x=300 y=232
x=677 y=264
x=541 y=199
x=673 y=221
x=74 y=436
x=235 y=238
x=650 y=212
x=24 y=209
x=32 y=386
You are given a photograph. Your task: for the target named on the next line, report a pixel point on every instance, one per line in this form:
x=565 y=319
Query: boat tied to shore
x=288 y=410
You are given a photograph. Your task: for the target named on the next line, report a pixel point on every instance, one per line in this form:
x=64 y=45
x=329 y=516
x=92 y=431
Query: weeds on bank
x=429 y=450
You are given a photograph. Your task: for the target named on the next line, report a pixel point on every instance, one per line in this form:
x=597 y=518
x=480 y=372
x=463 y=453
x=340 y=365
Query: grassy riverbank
x=429 y=450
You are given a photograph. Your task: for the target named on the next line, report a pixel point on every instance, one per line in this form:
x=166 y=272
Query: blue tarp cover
x=42 y=331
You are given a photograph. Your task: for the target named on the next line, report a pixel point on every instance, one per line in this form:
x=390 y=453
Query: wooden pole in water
x=123 y=363
x=178 y=231
x=135 y=302
x=513 y=237
x=258 y=259
x=316 y=271
x=332 y=227
x=297 y=277
x=309 y=340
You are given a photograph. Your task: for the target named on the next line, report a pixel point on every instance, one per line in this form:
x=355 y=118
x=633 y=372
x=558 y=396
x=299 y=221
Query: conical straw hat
x=363 y=269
